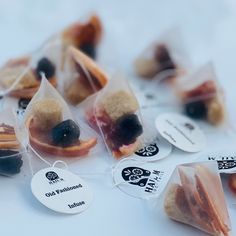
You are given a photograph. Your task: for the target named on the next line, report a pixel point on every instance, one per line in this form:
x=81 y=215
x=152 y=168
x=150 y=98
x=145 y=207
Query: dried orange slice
x=42 y=141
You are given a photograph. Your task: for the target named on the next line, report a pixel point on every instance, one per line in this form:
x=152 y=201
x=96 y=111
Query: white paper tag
x=141 y=179
x=61 y=190
x=156 y=150
x=181 y=132
x=226 y=160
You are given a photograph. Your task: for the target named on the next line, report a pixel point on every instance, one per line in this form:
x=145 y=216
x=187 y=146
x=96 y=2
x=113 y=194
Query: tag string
x=61 y=162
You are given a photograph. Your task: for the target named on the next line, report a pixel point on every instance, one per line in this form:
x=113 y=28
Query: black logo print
x=190 y=127
x=228 y=164
x=136 y=175
x=23 y=103
x=148 y=151
x=51 y=176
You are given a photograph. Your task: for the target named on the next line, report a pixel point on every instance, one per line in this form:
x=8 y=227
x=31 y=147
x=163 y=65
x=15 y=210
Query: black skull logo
x=51 y=176
x=229 y=164
x=136 y=175
x=148 y=151
x=23 y=103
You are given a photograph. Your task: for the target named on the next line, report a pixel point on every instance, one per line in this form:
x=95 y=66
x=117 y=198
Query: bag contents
x=164 y=59
x=10 y=148
x=202 y=96
x=115 y=114
x=160 y=61
x=195 y=197
x=84 y=36
x=22 y=79
x=82 y=77
x=51 y=127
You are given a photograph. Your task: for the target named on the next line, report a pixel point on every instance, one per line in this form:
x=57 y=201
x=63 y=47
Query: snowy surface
x=208 y=29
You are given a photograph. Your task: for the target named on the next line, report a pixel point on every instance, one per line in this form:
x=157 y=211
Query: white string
x=39 y=156
x=62 y=162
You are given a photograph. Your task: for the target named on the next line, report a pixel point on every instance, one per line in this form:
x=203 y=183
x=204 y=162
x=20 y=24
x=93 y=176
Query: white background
x=209 y=31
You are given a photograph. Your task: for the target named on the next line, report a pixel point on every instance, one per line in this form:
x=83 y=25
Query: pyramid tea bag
x=51 y=127
x=114 y=112
x=163 y=59
x=21 y=77
x=11 y=150
x=82 y=77
x=195 y=197
x=202 y=97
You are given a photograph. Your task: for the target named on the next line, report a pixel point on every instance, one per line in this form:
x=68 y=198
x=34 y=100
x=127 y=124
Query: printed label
x=61 y=190
x=156 y=150
x=181 y=132
x=140 y=179
x=226 y=162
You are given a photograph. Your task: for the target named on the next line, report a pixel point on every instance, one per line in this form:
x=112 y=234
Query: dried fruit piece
x=162 y=56
x=47 y=113
x=78 y=90
x=176 y=205
x=196 y=110
x=10 y=162
x=232 y=183
x=121 y=136
x=41 y=140
x=28 y=84
x=205 y=89
x=193 y=201
x=95 y=71
x=89 y=77
x=66 y=133
x=8 y=75
x=28 y=93
x=8 y=137
x=215 y=111
x=128 y=128
x=159 y=60
x=119 y=103
x=45 y=66
x=84 y=36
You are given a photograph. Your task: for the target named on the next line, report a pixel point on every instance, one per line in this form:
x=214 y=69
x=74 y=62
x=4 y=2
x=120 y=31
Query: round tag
x=156 y=150
x=181 y=132
x=61 y=190
x=140 y=179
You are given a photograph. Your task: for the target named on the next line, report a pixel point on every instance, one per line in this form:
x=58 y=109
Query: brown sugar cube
x=215 y=112
x=47 y=113
x=146 y=68
x=120 y=103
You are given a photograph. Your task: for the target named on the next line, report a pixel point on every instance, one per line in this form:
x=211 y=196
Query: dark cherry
x=128 y=128
x=162 y=55
x=10 y=162
x=65 y=133
x=45 y=66
x=196 y=110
